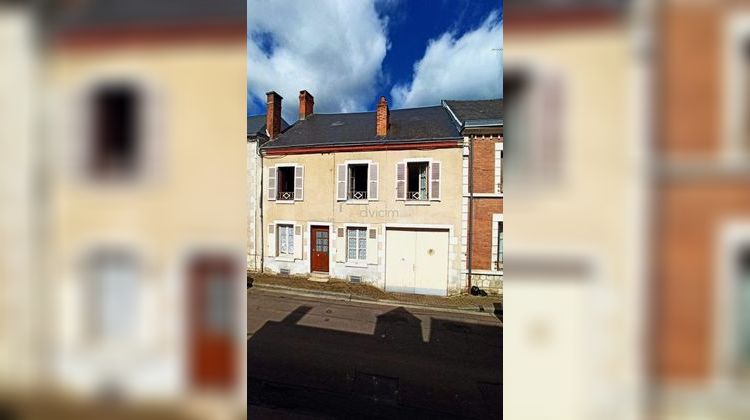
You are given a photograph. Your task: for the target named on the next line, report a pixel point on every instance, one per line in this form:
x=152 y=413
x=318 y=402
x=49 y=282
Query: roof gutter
x=448 y=142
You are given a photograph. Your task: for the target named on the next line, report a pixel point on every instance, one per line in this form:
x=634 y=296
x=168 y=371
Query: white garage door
x=416 y=261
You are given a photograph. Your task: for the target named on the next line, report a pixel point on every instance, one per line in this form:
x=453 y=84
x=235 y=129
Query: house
x=372 y=197
x=700 y=308
x=145 y=241
x=256 y=136
x=481 y=124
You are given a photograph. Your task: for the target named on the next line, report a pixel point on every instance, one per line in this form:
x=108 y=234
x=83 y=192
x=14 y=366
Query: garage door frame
x=417 y=227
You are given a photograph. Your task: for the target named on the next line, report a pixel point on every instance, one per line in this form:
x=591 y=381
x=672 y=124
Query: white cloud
x=332 y=48
x=468 y=67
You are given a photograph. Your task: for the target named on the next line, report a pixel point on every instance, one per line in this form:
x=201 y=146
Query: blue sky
x=348 y=53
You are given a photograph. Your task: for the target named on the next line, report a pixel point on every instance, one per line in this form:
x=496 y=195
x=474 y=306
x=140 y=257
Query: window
x=357 y=177
x=499 y=261
x=356 y=239
x=357 y=181
x=417 y=181
x=112 y=289
x=285 y=240
x=534 y=102
x=114 y=141
x=285 y=176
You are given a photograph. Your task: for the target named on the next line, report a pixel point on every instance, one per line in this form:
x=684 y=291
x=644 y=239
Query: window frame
x=293 y=169
x=290 y=240
x=428 y=166
x=364 y=230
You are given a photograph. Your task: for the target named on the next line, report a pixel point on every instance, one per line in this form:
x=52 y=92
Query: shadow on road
x=452 y=369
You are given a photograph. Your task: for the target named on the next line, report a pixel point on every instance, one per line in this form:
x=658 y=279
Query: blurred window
x=499 y=261
x=533 y=132
x=113 y=280
x=115 y=138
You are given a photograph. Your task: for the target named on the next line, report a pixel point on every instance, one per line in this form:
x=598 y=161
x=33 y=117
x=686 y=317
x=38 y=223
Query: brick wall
x=481 y=238
x=483 y=164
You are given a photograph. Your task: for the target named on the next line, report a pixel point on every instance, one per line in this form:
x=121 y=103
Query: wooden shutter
x=372 y=185
x=341 y=182
x=271 y=240
x=298 y=242
x=401 y=181
x=272 y=183
x=372 y=246
x=299 y=182
x=341 y=245
x=435 y=181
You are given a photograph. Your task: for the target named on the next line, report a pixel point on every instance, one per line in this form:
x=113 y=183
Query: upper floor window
x=357 y=177
x=418 y=180
x=115 y=135
x=357 y=180
x=286 y=182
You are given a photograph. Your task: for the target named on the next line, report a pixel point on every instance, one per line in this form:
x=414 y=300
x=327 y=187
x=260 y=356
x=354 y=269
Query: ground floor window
x=285 y=240
x=356 y=244
x=113 y=282
x=499 y=259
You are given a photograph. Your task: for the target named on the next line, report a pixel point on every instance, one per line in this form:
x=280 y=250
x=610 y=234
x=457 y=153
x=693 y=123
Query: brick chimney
x=273 y=114
x=382 y=118
x=306 y=103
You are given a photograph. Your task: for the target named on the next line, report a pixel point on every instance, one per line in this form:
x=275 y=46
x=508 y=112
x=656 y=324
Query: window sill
x=356 y=264
x=285 y=258
x=357 y=202
x=285 y=201
x=417 y=202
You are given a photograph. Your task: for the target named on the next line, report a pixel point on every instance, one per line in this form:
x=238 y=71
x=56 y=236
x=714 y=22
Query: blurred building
x=574 y=255
x=257 y=134
x=145 y=227
x=701 y=305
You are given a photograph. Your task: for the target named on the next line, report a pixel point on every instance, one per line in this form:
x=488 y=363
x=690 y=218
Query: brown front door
x=319 y=248
x=212 y=322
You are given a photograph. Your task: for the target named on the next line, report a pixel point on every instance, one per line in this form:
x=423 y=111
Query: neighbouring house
x=701 y=231
x=575 y=117
x=256 y=136
x=371 y=197
x=146 y=234
x=481 y=124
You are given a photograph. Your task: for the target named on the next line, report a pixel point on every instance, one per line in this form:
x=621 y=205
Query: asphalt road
x=320 y=358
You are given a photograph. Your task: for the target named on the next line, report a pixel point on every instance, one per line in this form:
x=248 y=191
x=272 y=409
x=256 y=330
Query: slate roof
x=256 y=125
x=407 y=125
x=478 y=112
x=94 y=14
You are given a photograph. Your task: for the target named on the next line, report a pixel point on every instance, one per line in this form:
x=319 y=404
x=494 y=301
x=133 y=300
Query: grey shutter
x=341 y=182
x=372 y=185
x=401 y=181
x=272 y=183
x=299 y=182
x=435 y=181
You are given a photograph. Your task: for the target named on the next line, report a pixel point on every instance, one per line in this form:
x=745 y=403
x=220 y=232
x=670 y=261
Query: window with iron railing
x=285 y=189
x=417 y=181
x=357 y=176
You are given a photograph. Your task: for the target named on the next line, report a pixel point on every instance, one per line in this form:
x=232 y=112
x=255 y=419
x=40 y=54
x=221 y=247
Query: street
x=322 y=358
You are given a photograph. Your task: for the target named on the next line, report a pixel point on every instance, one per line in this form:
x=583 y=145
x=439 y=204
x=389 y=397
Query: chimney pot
x=382 y=118
x=306 y=104
x=273 y=114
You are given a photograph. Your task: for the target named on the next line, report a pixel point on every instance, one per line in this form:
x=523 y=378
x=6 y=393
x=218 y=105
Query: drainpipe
x=260 y=207
x=469 y=232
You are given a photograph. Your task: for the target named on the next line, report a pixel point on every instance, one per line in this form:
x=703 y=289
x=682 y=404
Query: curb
x=348 y=297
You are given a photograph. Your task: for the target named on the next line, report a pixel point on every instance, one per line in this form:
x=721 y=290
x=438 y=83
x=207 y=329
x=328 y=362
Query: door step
x=319 y=277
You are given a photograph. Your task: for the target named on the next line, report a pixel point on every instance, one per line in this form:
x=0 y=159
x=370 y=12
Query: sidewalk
x=352 y=291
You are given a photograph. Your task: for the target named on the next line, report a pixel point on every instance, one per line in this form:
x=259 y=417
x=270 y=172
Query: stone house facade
x=371 y=197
